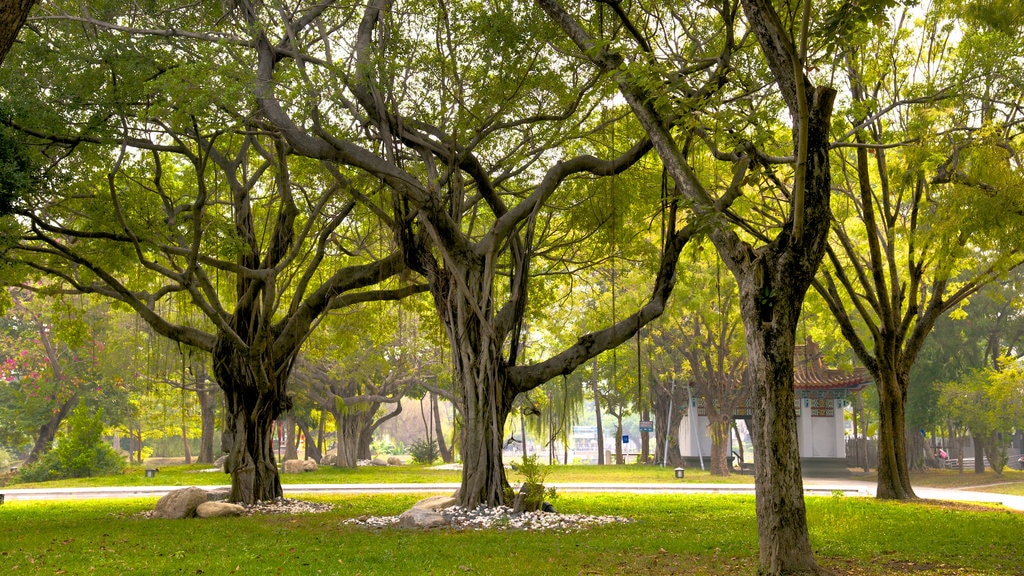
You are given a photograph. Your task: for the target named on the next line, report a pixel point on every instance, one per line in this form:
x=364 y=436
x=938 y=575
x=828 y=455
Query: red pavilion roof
x=811 y=373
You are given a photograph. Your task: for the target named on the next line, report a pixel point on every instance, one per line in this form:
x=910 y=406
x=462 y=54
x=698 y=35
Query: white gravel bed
x=501 y=518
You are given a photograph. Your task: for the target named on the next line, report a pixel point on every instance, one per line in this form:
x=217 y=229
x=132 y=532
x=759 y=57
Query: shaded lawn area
x=672 y=534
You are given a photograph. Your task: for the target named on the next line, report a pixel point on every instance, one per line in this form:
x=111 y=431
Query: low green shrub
x=424 y=452
x=78 y=454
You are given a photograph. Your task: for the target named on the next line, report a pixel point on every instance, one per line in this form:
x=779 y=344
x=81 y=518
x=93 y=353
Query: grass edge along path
x=689 y=535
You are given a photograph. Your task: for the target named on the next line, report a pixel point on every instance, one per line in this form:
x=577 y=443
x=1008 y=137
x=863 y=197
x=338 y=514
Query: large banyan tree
x=160 y=186
x=487 y=137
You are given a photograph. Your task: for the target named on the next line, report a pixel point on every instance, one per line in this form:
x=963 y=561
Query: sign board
x=625 y=439
x=647 y=426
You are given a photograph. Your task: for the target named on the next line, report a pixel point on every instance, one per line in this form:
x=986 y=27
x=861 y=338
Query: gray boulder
x=218 y=509
x=378 y=462
x=529 y=499
x=293 y=467
x=180 y=503
x=218 y=494
x=330 y=459
x=309 y=466
x=435 y=503
x=421 y=518
x=395 y=461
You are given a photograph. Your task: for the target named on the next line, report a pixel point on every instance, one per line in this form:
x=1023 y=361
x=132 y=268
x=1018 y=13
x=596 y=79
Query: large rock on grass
x=180 y=503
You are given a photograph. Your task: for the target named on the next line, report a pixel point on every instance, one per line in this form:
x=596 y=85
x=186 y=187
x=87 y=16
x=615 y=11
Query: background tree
x=709 y=334
x=54 y=353
x=913 y=241
x=775 y=259
x=361 y=377
x=989 y=404
x=162 y=183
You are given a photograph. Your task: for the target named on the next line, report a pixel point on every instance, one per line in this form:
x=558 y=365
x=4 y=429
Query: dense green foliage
x=78 y=454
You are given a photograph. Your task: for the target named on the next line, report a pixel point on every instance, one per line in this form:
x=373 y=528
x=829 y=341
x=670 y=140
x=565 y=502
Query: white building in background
x=821 y=394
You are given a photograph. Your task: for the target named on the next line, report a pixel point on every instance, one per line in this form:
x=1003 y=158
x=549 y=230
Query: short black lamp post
x=679 y=473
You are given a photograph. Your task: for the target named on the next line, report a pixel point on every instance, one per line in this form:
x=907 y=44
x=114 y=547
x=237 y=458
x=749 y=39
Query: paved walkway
x=812 y=487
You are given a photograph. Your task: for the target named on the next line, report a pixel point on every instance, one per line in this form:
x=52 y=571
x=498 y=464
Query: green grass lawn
x=671 y=534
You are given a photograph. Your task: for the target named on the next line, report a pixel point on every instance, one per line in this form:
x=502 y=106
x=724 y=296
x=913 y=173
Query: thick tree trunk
x=597 y=413
x=773 y=281
x=781 y=516
x=719 y=427
x=291 y=443
x=249 y=414
x=12 y=18
x=486 y=410
x=893 y=470
x=353 y=435
x=979 y=453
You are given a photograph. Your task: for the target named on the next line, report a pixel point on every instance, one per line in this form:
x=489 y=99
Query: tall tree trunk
x=207 y=414
x=184 y=441
x=666 y=426
x=781 y=516
x=645 y=437
x=442 y=445
x=773 y=281
x=893 y=471
x=597 y=413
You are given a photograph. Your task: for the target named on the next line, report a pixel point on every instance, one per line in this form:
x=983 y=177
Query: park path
x=812 y=487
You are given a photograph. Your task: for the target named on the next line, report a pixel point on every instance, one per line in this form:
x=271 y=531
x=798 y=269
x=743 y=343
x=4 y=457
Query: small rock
x=218 y=509
x=419 y=518
x=218 y=494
